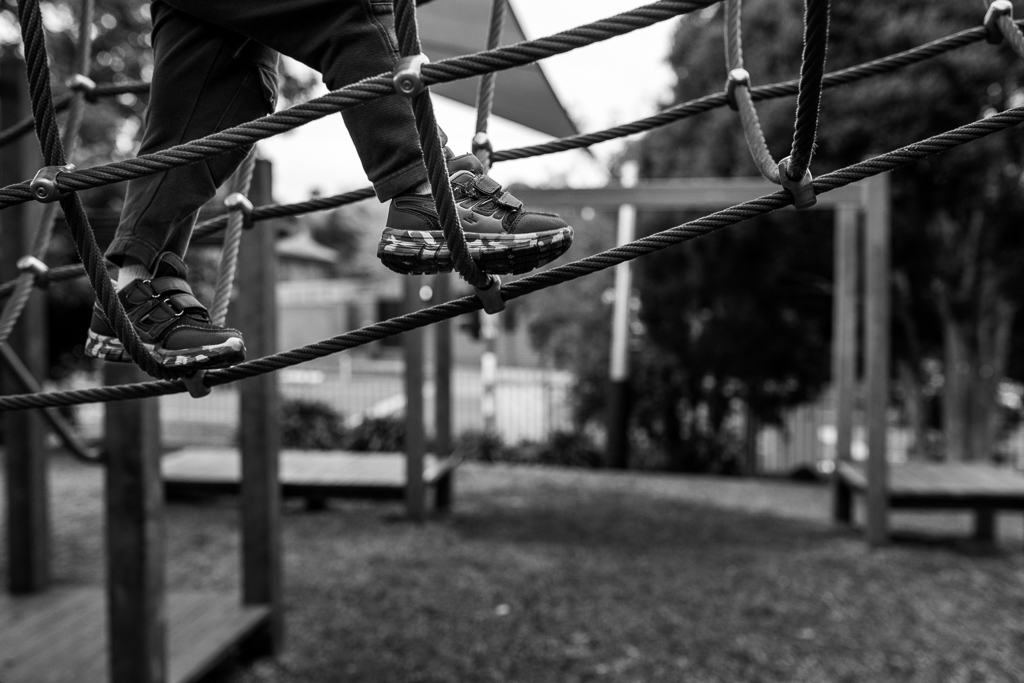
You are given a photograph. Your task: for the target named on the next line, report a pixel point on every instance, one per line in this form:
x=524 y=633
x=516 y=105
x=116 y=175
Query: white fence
x=531 y=403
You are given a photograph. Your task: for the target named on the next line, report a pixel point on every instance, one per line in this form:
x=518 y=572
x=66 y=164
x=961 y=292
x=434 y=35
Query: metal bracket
x=737 y=78
x=196 y=386
x=482 y=148
x=44 y=185
x=30 y=264
x=83 y=84
x=996 y=11
x=408 y=77
x=801 y=189
x=490 y=296
x=236 y=201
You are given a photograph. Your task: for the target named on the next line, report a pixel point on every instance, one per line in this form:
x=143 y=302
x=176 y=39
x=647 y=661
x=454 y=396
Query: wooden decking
x=983 y=489
x=921 y=485
x=61 y=636
x=333 y=474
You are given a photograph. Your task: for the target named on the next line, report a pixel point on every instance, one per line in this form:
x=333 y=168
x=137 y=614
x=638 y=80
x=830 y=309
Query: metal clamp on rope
x=996 y=11
x=408 y=76
x=83 y=84
x=196 y=386
x=44 y=185
x=481 y=147
x=490 y=296
x=30 y=264
x=737 y=77
x=801 y=189
x=236 y=201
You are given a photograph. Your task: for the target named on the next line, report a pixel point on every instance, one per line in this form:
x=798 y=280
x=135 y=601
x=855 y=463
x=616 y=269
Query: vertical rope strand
x=433 y=155
x=37 y=67
x=240 y=182
x=812 y=70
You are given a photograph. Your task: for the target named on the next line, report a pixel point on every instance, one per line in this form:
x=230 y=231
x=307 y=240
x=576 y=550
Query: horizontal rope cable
x=538 y=281
x=358 y=93
x=881 y=66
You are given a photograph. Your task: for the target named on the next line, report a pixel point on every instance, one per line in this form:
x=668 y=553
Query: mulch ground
x=570 y=575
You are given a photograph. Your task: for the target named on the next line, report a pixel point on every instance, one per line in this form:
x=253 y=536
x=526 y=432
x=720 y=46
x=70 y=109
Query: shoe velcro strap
x=183 y=302
x=168 y=284
x=510 y=202
x=486 y=185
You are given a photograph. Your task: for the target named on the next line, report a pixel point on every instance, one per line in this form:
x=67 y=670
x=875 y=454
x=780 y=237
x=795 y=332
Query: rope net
x=998 y=25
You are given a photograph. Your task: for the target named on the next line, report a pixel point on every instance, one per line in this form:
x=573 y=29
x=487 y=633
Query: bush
x=377 y=434
x=564 y=449
x=311 y=425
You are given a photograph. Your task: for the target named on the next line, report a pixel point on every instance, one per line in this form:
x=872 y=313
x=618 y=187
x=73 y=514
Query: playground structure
x=139 y=629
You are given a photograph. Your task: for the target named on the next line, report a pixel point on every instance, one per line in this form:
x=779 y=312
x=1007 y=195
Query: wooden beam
x=136 y=600
x=260 y=435
x=674 y=194
x=876 y=333
x=415 y=439
x=844 y=348
x=28 y=522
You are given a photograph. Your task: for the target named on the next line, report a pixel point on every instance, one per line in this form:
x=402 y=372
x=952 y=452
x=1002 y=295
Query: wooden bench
x=966 y=486
x=313 y=475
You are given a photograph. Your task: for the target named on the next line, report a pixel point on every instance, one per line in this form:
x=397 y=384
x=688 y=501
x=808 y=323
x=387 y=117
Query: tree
x=957 y=244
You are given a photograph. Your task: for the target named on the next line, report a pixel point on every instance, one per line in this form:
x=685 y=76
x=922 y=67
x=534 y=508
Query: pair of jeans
x=215 y=66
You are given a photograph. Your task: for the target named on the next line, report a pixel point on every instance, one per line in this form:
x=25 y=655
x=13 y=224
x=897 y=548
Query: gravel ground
x=545 y=574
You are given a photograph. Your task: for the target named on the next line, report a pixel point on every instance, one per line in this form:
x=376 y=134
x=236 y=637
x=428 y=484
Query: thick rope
x=37 y=66
x=26 y=282
x=1011 y=31
x=485 y=93
x=766 y=165
x=541 y=280
x=812 y=70
x=65 y=432
x=433 y=155
x=808 y=103
x=444 y=71
x=240 y=182
x=881 y=66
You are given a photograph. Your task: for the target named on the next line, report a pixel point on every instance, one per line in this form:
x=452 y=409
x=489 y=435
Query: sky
x=600 y=85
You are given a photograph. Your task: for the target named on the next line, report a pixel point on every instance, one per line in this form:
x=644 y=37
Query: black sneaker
x=171 y=323
x=502 y=237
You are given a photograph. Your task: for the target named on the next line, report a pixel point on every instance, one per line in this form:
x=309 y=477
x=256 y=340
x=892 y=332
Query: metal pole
x=618 y=394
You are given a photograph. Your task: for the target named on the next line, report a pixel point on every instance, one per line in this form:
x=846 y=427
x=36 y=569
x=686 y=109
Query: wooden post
x=260 y=434
x=415 y=439
x=443 y=488
x=28 y=523
x=136 y=599
x=844 y=349
x=876 y=333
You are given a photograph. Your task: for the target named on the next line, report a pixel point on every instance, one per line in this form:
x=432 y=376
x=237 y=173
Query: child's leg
x=346 y=41
x=205 y=79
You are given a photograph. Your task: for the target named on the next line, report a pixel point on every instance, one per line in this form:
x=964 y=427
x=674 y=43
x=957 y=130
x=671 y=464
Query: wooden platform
x=921 y=485
x=324 y=474
x=61 y=635
x=984 y=489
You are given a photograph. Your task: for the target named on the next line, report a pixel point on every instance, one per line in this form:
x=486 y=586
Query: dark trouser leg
x=205 y=79
x=346 y=41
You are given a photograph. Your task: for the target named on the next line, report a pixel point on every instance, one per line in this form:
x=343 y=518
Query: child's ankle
x=130 y=272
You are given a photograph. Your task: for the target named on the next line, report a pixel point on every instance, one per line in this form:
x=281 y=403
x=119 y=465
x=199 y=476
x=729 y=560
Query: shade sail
x=449 y=28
